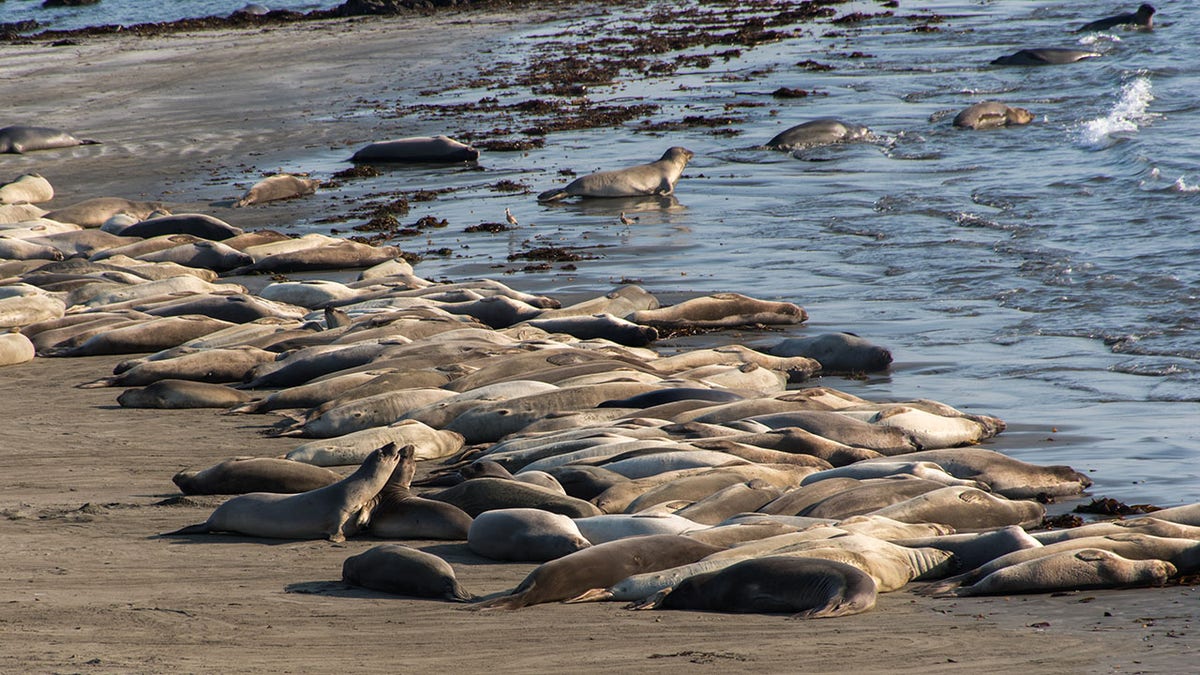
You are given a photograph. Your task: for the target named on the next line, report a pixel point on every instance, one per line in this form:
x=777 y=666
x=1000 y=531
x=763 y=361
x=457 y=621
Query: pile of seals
x=709 y=479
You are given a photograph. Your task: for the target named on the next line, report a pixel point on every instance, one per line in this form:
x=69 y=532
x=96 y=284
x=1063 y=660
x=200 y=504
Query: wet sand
x=87 y=587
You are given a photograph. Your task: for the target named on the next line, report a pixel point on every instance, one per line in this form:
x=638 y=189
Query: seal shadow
x=612 y=206
x=341 y=589
x=458 y=554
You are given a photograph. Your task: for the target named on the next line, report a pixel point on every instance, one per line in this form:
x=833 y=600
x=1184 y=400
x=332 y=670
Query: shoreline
x=90 y=587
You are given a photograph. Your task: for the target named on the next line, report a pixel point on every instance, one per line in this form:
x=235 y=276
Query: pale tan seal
x=29 y=188
x=243 y=475
x=991 y=115
x=417 y=149
x=20 y=139
x=655 y=178
x=279 y=186
x=332 y=512
x=1072 y=571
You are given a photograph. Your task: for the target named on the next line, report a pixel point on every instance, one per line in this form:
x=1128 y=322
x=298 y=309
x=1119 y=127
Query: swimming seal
x=655 y=178
x=991 y=115
x=1142 y=19
x=1045 y=56
x=823 y=131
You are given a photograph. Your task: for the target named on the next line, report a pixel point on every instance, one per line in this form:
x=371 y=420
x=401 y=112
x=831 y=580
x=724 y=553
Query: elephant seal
x=20 y=139
x=29 y=188
x=655 y=178
x=15 y=348
x=417 y=149
x=485 y=494
x=178 y=394
x=338 y=255
x=397 y=513
x=964 y=509
x=991 y=115
x=1045 y=56
x=279 y=186
x=600 y=566
x=524 y=535
x=604 y=326
x=807 y=588
x=93 y=212
x=196 y=224
x=1006 y=476
x=331 y=512
x=721 y=310
x=242 y=475
x=23 y=249
x=836 y=352
x=974 y=549
x=1142 y=19
x=1077 y=570
x=671 y=395
x=823 y=131
x=393 y=568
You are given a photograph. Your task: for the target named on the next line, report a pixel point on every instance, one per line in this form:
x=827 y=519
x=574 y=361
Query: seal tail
x=97 y=384
x=247 y=408
x=509 y=602
x=653 y=602
x=90 y=141
x=198 y=528
x=552 y=195
x=460 y=594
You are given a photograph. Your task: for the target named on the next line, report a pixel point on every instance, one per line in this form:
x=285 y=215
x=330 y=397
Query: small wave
x=1181 y=185
x=1099 y=38
x=1126 y=116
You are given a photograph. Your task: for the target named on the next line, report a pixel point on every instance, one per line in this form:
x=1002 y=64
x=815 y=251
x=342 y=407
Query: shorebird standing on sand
x=626 y=220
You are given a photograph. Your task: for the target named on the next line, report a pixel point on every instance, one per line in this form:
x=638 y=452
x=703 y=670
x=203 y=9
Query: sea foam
x=1126 y=116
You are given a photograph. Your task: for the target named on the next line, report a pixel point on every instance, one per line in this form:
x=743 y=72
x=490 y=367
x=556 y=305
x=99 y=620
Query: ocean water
x=128 y=12
x=1046 y=274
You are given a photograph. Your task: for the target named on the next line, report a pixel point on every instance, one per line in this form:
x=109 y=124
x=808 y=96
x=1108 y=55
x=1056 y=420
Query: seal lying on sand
x=279 y=186
x=1142 y=19
x=19 y=139
x=393 y=568
x=991 y=115
x=805 y=587
x=655 y=178
x=331 y=512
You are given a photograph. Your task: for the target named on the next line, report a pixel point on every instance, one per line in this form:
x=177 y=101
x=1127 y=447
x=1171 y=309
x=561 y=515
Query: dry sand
x=85 y=586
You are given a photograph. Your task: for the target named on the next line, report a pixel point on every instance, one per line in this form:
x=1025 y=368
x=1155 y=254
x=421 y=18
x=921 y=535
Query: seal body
x=807 y=588
x=524 y=534
x=417 y=149
x=401 y=570
x=824 y=131
x=1142 y=19
x=30 y=188
x=991 y=115
x=331 y=512
x=655 y=178
x=279 y=186
x=1045 y=56
x=242 y=475
x=21 y=139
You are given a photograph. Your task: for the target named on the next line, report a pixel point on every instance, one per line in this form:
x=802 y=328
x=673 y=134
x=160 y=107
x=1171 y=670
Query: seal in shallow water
x=1044 y=56
x=655 y=178
x=417 y=149
x=991 y=115
x=331 y=512
x=824 y=131
x=1141 y=19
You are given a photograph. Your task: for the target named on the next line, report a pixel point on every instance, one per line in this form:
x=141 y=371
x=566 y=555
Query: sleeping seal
x=807 y=588
x=655 y=178
x=417 y=149
x=20 y=139
x=393 y=568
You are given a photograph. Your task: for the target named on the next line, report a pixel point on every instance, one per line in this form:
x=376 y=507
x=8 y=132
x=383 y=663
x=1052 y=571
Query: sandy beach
x=85 y=485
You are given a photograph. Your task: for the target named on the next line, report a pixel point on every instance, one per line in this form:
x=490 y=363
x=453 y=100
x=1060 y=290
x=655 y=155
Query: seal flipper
x=552 y=195
x=198 y=528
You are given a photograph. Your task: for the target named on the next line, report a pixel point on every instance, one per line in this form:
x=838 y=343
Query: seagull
x=512 y=220
x=626 y=220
